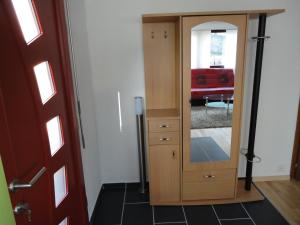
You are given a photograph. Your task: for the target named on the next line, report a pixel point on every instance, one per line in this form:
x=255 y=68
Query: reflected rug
x=215 y=117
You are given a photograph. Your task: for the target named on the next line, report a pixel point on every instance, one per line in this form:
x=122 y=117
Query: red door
x=39 y=142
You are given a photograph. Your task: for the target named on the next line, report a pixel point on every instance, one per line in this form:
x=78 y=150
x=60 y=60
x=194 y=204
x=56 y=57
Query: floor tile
x=133 y=195
x=114 y=186
x=237 y=222
x=168 y=214
x=137 y=214
x=170 y=223
x=263 y=213
x=230 y=211
x=196 y=215
x=110 y=208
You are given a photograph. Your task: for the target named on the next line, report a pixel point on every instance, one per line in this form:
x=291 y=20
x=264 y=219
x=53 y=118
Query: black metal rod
x=141 y=148
x=255 y=98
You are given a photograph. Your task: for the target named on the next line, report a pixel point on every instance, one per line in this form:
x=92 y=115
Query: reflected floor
x=212 y=144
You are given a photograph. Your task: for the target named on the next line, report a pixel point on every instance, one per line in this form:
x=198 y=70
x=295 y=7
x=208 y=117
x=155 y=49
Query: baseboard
x=271 y=178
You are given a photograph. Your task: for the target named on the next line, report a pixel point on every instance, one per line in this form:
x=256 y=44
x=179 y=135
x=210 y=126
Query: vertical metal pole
x=139 y=111
x=141 y=148
x=255 y=98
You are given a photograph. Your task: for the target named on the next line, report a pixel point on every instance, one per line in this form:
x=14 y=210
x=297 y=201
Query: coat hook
x=152 y=35
x=166 y=34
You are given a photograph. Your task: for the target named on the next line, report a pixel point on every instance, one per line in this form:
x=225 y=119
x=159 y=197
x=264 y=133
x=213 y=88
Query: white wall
x=91 y=154
x=114 y=38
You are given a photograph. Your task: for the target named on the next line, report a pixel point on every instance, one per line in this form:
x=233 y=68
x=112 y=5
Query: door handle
x=164 y=139
x=16 y=184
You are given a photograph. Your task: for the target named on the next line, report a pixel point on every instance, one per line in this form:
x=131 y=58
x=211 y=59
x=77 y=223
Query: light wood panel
x=163 y=114
x=209 y=190
x=164 y=174
x=159 y=61
x=271 y=178
x=163 y=125
x=164 y=138
x=285 y=196
x=240 y=21
x=218 y=184
x=241 y=196
x=178 y=64
x=164 y=17
x=208 y=175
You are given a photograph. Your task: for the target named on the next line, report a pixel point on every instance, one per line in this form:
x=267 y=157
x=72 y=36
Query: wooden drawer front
x=203 y=176
x=164 y=125
x=209 y=185
x=164 y=138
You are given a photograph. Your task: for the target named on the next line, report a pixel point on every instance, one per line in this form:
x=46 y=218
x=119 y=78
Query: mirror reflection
x=213 y=59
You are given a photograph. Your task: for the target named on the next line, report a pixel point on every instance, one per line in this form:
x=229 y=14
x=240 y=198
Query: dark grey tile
x=110 y=206
x=203 y=215
x=170 y=223
x=168 y=214
x=138 y=214
x=230 y=211
x=133 y=195
x=114 y=186
x=263 y=213
x=237 y=222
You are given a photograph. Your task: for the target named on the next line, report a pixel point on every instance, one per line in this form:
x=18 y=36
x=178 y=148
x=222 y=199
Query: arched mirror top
x=214 y=25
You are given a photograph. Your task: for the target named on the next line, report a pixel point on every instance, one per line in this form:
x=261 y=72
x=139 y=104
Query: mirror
x=213 y=62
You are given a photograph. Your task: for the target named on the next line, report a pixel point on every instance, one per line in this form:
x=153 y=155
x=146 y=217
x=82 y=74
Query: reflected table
x=219 y=100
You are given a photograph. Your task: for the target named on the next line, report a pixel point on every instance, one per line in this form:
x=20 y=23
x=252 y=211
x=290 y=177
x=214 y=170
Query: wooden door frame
x=296 y=148
x=240 y=21
x=71 y=111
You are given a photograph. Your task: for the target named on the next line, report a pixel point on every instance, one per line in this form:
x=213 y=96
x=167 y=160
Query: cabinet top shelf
x=162 y=113
x=165 y=17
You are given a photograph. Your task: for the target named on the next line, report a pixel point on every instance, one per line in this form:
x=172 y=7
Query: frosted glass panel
x=54 y=135
x=27 y=19
x=44 y=80
x=64 y=222
x=60 y=186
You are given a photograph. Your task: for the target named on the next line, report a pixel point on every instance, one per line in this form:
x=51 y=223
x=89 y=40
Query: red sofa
x=211 y=81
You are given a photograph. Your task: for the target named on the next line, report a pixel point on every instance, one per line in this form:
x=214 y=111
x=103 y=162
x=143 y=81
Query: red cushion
x=211 y=81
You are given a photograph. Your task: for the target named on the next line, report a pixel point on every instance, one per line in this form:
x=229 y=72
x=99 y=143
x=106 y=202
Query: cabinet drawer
x=164 y=138
x=164 y=125
x=209 y=185
x=208 y=175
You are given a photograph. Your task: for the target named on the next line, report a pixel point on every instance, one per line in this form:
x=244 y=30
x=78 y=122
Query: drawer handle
x=209 y=176
x=164 y=126
x=164 y=139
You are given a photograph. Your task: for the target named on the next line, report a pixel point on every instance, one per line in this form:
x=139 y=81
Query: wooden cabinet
x=163 y=94
x=164 y=174
x=174 y=177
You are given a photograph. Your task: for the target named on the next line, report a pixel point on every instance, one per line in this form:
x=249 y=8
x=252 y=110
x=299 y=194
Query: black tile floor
x=122 y=204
